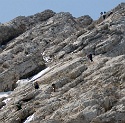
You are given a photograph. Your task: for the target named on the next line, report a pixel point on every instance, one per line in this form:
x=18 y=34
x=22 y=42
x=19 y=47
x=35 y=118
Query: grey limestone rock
x=53 y=50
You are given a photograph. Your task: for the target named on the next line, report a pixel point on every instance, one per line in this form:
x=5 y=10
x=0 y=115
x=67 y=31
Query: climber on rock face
x=54 y=87
x=110 y=13
x=18 y=105
x=104 y=15
x=90 y=57
x=101 y=13
x=36 y=85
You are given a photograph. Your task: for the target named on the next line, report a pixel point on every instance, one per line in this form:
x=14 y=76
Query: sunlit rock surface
x=54 y=51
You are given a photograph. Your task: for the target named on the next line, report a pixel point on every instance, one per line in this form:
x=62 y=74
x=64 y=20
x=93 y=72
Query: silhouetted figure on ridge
x=101 y=13
x=104 y=15
x=110 y=13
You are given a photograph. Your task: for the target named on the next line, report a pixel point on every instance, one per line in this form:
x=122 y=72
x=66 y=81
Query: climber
x=90 y=57
x=110 y=13
x=18 y=105
x=101 y=13
x=36 y=85
x=54 y=87
x=104 y=15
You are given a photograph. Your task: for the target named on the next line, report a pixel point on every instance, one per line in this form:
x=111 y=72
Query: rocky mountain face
x=51 y=48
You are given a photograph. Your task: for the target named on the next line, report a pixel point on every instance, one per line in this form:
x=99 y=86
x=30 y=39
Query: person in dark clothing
x=110 y=13
x=90 y=57
x=54 y=87
x=101 y=13
x=104 y=12
x=36 y=85
x=18 y=105
x=104 y=15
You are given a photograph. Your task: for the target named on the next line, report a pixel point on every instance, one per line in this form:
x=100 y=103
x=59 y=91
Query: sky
x=9 y=9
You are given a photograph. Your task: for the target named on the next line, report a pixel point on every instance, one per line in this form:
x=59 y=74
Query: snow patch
x=6 y=100
x=40 y=74
x=46 y=58
x=5 y=94
x=22 y=82
x=30 y=118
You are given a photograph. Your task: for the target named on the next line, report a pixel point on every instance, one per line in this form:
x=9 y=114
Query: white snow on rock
x=46 y=58
x=22 y=82
x=40 y=74
x=25 y=81
x=5 y=94
x=30 y=118
x=6 y=100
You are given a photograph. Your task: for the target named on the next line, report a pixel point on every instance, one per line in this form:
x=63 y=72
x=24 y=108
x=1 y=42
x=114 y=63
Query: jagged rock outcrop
x=19 y=25
x=22 y=58
x=84 y=21
x=85 y=92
